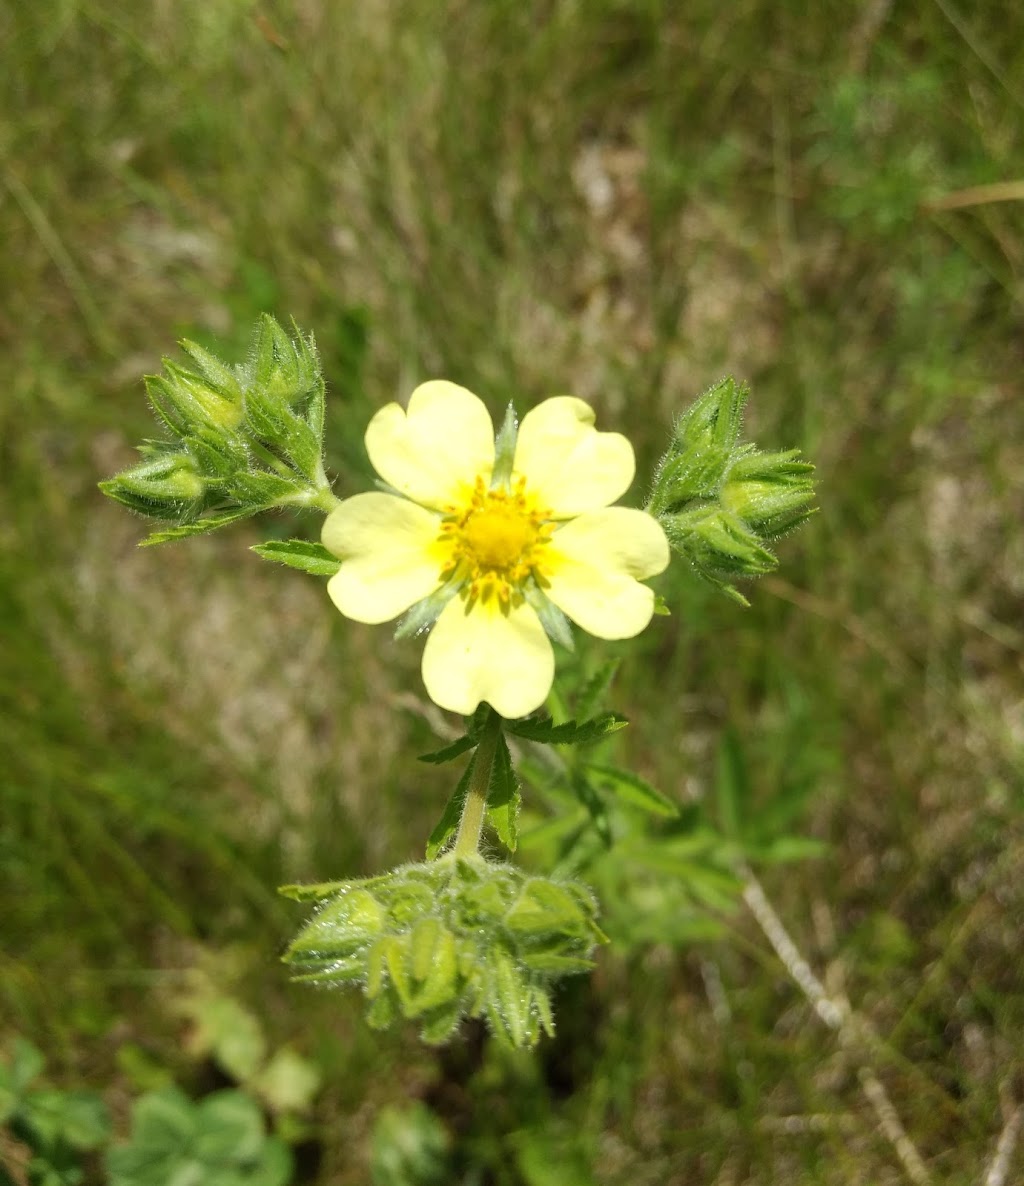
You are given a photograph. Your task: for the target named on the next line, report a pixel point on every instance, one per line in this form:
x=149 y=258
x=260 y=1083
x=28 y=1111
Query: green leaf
x=448 y=824
x=201 y=527
x=302 y=554
x=732 y=784
x=229 y=1131
x=77 y=1118
x=791 y=848
x=449 y=752
x=545 y=731
x=631 y=788
x=593 y=692
x=313 y=892
x=503 y=797
x=592 y=801
x=289 y=1082
x=26 y=1064
x=230 y=1033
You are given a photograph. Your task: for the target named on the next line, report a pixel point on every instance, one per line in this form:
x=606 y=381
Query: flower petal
x=593 y=565
x=390 y=556
x=567 y=463
x=505 y=659
x=437 y=448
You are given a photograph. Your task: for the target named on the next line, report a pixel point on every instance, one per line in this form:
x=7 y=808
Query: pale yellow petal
x=567 y=463
x=487 y=655
x=434 y=451
x=595 y=564
x=389 y=553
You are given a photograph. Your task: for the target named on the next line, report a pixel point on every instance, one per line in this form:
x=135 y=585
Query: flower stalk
x=471 y=823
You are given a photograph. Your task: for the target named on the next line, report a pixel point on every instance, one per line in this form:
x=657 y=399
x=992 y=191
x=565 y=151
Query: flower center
x=496 y=541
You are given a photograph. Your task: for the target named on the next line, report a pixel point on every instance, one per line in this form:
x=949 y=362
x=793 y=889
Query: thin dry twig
x=1005 y=1146
x=837 y=1016
x=979 y=195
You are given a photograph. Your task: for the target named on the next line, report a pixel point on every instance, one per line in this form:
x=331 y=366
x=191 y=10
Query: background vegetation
x=624 y=200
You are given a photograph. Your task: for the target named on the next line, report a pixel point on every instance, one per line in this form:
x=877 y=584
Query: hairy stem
x=467 y=841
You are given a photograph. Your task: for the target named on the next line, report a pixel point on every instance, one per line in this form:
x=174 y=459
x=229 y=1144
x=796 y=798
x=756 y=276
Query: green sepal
x=217 y=374
x=451 y=938
x=770 y=492
x=503 y=797
x=246 y=438
x=260 y=489
x=720 y=501
x=303 y=554
x=633 y=789
x=703 y=444
x=426 y=612
x=546 y=732
x=505 y=448
x=274 y=425
x=165 y=486
x=555 y=623
x=186 y=402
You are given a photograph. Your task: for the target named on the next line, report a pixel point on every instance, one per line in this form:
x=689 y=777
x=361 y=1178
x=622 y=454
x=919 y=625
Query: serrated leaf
x=546 y=732
x=593 y=692
x=201 y=527
x=631 y=788
x=303 y=554
x=591 y=800
x=449 y=752
x=503 y=797
x=448 y=824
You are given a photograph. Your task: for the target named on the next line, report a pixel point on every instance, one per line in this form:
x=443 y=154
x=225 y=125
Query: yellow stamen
x=496 y=540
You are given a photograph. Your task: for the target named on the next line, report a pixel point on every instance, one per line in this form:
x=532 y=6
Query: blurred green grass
x=618 y=199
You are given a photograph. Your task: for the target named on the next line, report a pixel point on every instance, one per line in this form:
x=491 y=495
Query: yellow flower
x=494 y=548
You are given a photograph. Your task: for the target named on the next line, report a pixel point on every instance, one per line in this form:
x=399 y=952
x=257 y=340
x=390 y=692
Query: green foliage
x=233 y=1037
x=719 y=501
x=57 y=1126
x=247 y=438
x=302 y=554
x=410 y=1147
x=450 y=939
x=771 y=206
x=221 y=1139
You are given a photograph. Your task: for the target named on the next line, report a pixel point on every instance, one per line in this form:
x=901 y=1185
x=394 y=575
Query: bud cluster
x=245 y=438
x=449 y=939
x=720 y=501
